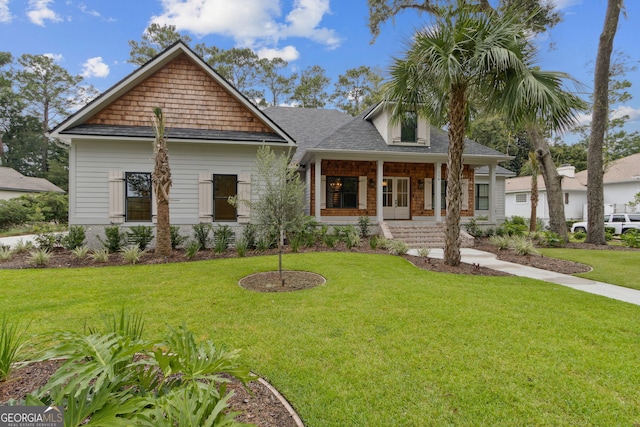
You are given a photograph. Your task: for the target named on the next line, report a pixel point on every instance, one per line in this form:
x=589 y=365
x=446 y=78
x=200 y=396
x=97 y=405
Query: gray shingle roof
x=335 y=131
x=12 y=180
x=484 y=170
x=175 y=133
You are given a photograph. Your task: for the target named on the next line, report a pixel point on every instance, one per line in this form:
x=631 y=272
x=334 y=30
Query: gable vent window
x=521 y=198
x=138 y=196
x=409 y=127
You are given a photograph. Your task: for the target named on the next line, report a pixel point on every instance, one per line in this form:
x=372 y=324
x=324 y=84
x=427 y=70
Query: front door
x=395 y=198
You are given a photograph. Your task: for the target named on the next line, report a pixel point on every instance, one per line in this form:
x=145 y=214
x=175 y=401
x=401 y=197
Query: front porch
x=389 y=191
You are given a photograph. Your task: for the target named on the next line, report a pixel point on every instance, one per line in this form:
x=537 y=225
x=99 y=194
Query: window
x=521 y=198
x=138 y=196
x=617 y=218
x=224 y=186
x=482 y=197
x=409 y=127
x=634 y=218
x=342 y=192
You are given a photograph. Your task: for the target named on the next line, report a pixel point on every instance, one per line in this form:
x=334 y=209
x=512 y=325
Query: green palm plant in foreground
x=117 y=378
x=467 y=61
x=11 y=341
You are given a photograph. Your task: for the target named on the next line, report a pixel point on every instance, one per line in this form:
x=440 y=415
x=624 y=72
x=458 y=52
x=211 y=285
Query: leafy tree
x=50 y=92
x=241 y=67
x=277 y=85
x=595 y=194
x=161 y=178
x=311 y=89
x=541 y=13
x=357 y=89
x=279 y=207
x=154 y=39
x=469 y=52
x=570 y=154
x=492 y=131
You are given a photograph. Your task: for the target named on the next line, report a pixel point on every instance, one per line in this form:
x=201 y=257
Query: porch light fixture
x=372 y=183
x=421 y=184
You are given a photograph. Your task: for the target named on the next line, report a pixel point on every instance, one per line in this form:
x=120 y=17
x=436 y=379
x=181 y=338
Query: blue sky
x=89 y=37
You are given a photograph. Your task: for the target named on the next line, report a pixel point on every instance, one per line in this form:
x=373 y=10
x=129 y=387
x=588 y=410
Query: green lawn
x=620 y=268
x=382 y=343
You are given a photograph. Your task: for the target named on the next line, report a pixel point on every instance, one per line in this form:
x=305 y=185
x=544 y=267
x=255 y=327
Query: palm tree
x=474 y=60
x=161 y=178
x=535 y=171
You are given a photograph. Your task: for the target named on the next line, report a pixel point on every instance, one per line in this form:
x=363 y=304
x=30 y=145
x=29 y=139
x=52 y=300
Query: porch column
x=492 y=193
x=437 y=190
x=379 y=174
x=318 y=186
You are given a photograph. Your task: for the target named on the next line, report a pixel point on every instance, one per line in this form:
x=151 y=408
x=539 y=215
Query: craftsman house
x=352 y=167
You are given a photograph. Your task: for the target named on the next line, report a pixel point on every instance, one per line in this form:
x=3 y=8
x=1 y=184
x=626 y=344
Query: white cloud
x=83 y=9
x=288 y=53
x=95 y=67
x=563 y=4
x=251 y=23
x=304 y=20
x=39 y=12
x=57 y=57
x=5 y=13
x=624 y=110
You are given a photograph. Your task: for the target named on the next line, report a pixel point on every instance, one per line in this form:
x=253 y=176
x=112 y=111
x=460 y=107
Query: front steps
x=421 y=234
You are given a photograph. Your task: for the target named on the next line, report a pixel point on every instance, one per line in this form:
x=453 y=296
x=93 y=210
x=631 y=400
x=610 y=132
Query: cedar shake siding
x=414 y=171
x=190 y=98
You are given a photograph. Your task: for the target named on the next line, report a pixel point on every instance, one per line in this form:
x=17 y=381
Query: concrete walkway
x=13 y=241
x=489 y=260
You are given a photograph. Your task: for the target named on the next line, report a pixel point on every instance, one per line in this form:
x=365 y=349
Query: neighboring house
x=353 y=167
x=621 y=182
x=14 y=184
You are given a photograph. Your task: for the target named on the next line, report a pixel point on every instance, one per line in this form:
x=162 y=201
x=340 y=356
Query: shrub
x=177 y=239
x=295 y=240
x=500 y=242
x=222 y=236
x=74 y=238
x=579 y=235
x=201 y=234
x=523 y=246
x=241 y=247
x=424 y=252
x=631 y=238
x=104 y=379
x=352 y=238
x=129 y=325
x=263 y=243
x=81 y=252
x=330 y=240
x=473 y=228
x=140 y=235
x=373 y=242
x=40 y=257
x=116 y=239
x=46 y=240
x=5 y=253
x=514 y=226
x=364 y=223
x=192 y=248
x=13 y=212
x=551 y=239
x=249 y=234
x=22 y=246
x=132 y=254
x=397 y=247
x=11 y=341
x=100 y=255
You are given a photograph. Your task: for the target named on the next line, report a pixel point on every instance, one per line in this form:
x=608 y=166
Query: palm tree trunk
x=162 y=182
x=457 y=120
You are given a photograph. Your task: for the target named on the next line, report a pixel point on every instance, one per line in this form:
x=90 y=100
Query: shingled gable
x=199 y=104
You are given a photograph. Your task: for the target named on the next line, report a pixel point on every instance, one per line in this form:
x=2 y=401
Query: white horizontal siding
x=94 y=160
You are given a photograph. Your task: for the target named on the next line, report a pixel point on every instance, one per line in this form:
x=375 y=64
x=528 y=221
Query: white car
x=619 y=222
